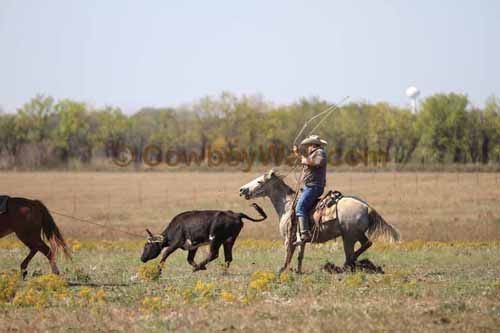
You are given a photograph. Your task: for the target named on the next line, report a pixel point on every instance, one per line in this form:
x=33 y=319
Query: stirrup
x=305 y=237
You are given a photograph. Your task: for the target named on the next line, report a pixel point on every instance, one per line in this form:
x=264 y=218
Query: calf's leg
x=228 y=247
x=213 y=254
x=190 y=257
x=228 y=252
x=168 y=252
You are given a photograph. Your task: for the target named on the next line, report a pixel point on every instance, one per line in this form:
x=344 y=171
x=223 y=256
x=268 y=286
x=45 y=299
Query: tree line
x=45 y=133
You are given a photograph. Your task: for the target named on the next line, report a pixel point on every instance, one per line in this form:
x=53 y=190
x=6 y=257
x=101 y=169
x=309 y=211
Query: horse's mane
x=281 y=179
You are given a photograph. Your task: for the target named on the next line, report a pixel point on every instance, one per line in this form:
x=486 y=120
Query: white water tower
x=412 y=93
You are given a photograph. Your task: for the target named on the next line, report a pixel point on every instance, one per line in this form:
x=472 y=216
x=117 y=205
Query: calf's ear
x=149 y=233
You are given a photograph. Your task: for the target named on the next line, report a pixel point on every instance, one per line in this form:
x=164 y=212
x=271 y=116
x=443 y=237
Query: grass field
x=427 y=286
x=445 y=275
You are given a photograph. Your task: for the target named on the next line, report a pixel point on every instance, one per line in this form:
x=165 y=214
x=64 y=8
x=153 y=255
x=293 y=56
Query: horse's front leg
x=290 y=249
x=300 y=258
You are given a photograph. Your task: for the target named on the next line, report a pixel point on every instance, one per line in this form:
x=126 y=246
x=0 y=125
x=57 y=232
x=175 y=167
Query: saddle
x=4 y=199
x=326 y=208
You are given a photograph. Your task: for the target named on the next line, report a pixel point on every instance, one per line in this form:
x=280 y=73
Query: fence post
x=139 y=193
x=416 y=181
x=108 y=215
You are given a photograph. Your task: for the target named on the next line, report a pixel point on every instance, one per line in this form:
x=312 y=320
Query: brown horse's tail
x=378 y=227
x=52 y=232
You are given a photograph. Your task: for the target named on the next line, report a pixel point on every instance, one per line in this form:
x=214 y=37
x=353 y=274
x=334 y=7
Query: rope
x=95 y=223
x=333 y=108
x=327 y=111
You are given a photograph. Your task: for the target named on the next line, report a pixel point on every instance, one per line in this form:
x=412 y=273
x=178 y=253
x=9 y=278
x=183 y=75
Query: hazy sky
x=165 y=53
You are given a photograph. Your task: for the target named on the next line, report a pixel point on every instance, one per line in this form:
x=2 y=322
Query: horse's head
x=153 y=247
x=259 y=187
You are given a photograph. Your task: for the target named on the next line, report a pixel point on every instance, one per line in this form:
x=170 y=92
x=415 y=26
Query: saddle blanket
x=326 y=208
x=4 y=199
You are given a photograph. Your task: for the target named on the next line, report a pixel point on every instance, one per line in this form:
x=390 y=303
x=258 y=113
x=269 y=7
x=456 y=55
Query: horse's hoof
x=24 y=274
x=199 y=268
x=351 y=266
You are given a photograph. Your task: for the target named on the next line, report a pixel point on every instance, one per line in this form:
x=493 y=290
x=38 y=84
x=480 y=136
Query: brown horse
x=27 y=219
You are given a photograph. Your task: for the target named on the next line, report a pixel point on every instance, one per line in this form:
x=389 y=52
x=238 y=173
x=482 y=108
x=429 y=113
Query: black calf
x=190 y=230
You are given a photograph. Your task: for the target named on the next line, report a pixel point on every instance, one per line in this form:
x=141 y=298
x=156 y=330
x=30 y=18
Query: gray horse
x=355 y=218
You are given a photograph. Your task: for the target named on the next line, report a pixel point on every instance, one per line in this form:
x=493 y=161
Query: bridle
x=268 y=182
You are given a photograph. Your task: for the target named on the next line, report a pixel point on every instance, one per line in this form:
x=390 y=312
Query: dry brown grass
x=428 y=206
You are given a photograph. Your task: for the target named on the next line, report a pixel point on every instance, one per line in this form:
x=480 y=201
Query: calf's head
x=153 y=247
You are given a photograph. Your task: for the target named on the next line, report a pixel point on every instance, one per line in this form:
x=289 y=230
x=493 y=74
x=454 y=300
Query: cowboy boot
x=305 y=233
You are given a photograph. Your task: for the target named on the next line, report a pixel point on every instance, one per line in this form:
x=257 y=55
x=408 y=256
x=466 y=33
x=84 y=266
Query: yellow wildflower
x=285 y=277
x=150 y=304
x=261 y=280
x=149 y=272
x=226 y=296
x=99 y=297
x=8 y=283
x=85 y=293
x=204 y=289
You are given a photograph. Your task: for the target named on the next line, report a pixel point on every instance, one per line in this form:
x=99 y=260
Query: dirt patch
x=364 y=265
x=367 y=266
x=331 y=268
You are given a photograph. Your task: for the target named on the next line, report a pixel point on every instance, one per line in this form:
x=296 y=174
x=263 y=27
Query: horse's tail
x=378 y=227
x=52 y=232
x=259 y=210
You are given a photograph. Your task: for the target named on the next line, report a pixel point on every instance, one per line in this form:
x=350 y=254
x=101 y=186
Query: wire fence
x=131 y=201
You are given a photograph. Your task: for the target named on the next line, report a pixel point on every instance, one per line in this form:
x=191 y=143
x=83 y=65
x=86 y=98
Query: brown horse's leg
x=365 y=245
x=26 y=261
x=30 y=242
x=35 y=243
x=290 y=249
x=42 y=247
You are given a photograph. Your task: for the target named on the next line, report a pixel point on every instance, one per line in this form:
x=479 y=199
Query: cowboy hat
x=313 y=140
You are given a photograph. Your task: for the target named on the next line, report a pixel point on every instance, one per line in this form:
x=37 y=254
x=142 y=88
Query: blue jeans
x=308 y=199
